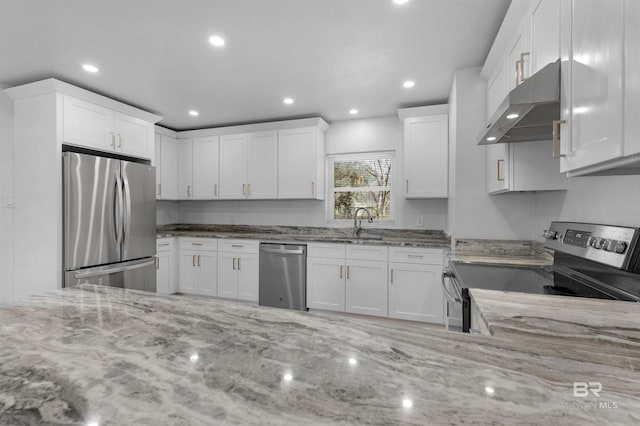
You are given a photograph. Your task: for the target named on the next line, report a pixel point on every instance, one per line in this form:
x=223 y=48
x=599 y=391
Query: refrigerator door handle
x=126 y=217
x=117 y=211
x=107 y=271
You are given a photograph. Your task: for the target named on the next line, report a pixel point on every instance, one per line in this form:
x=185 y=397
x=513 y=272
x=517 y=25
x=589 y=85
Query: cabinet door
x=545 y=33
x=632 y=77
x=228 y=275
x=86 y=124
x=497 y=168
x=168 y=168
x=133 y=136
x=519 y=50
x=366 y=287
x=326 y=284
x=248 y=277
x=207 y=273
x=426 y=156
x=415 y=292
x=157 y=160
x=262 y=168
x=163 y=273
x=233 y=167
x=596 y=71
x=185 y=169
x=496 y=89
x=205 y=167
x=188 y=272
x=297 y=163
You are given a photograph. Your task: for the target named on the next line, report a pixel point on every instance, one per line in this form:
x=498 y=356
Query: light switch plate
x=9 y=202
x=420 y=221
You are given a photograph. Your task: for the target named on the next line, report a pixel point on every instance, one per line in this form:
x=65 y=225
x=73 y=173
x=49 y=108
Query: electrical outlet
x=420 y=221
x=234 y=220
x=9 y=202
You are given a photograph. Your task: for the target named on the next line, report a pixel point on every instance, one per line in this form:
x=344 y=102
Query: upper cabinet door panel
x=133 y=136
x=496 y=89
x=545 y=33
x=632 y=77
x=168 y=168
x=518 y=66
x=262 y=169
x=426 y=156
x=185 y=169
x=205 y=168
x=87 y=124
x=233 y=166
x=297 y=163
x=596 y=69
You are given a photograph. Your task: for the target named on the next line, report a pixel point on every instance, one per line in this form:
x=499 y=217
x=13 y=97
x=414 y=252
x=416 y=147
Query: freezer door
x=91 y=194
x=135 y=275
x=139 y=220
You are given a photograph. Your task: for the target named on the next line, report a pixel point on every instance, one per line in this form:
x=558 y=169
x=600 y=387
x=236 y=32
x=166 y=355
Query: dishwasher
x=283 y=276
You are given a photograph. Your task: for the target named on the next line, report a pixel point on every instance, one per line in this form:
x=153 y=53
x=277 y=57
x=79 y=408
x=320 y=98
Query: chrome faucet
x=357 y=224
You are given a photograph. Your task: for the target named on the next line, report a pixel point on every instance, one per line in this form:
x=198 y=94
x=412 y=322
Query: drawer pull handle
x=163 y=244
x=239 y=263
x=341 y=268
x=234 y=263
x=419 y=256
x=196 y=244
x=348 y=272
x=237 y=245
x=193 y=260
x=198 y=260
x=392 y=276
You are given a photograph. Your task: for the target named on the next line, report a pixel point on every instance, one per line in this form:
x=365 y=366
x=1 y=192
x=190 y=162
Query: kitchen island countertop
x=118 y=356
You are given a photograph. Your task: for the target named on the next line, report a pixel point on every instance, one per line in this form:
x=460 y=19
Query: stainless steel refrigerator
x=109 y=222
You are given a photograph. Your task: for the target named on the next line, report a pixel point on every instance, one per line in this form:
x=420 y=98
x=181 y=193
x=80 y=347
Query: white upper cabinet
x=262 y=165
x=545 y=33
x=592 y=48
x=518 y=56
x=301 y=163
x=185 y=167
x=166 y=163
x=426 y=146
x=497 y=168
x=249 y=166
x=233 y=166
x=497 y=88
x=632 y=77
x=97 y=127
x=205 y=167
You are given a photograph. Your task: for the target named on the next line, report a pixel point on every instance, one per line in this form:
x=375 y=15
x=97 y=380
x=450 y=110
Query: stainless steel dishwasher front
x=283 y=276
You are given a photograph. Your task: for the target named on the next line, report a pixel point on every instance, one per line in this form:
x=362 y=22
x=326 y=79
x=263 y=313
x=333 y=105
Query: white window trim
x=354 y=156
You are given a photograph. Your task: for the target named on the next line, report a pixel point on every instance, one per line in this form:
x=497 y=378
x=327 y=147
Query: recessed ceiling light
x=353 y=361
x=288 y=101
x=288 y=377
x=90 y=68
x=353 y=111
x=489 y=390
x=400 y=1
x=193 y=113
x=408 y=84
x=216 y=41
x=407 y=403
x=491 y=138
x=512 y=116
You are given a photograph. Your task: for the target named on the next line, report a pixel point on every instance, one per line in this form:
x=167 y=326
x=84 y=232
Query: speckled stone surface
x=123 y=357
x=502 y=252
x=390 y=237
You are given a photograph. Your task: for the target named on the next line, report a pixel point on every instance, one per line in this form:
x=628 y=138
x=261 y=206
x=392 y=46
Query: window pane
x=362 y=173
x=378 y=203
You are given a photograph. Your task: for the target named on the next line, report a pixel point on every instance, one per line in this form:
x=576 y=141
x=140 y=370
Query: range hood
x=528 y=111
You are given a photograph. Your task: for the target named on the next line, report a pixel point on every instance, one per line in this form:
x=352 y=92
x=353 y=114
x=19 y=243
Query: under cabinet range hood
x=528 y=111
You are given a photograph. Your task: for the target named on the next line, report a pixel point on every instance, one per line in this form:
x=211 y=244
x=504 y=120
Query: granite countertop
x=118 y=356
x=502 y=252
x=390 y=237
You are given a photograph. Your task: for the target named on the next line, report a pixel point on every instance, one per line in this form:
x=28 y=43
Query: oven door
x=453 y=293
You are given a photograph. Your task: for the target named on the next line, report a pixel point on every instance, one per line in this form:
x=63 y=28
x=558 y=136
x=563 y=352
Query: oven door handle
x=448 y=274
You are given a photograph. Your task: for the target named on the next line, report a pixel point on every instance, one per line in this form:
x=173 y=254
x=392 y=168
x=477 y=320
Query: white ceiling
x=328 y=55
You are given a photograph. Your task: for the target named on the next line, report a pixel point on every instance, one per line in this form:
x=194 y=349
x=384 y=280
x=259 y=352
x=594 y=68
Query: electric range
x=590 y=260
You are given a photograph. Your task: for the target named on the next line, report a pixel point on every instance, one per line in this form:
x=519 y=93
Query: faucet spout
x=357 y=224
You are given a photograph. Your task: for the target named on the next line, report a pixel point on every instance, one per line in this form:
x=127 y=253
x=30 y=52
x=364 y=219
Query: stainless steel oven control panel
x=612 y=245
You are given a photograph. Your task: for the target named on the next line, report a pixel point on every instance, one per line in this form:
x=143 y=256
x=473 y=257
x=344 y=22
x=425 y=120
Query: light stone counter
x=123 y=357
x=502 y=252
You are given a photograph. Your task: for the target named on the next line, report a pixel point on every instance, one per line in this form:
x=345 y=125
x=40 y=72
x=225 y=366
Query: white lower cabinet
x=326 y=284
x=415 y=293
x=198 y=266
x=166 y=268
x=366 y=287
x=238 y=270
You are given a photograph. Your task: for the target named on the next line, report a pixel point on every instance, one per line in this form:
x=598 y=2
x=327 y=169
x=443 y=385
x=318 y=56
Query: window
x=360 y=180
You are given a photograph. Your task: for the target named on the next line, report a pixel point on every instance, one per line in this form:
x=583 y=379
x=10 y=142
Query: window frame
x=359 y=156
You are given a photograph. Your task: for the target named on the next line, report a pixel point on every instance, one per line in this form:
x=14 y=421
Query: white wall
x=472 y=212
x=6 y=190
x=374 y=134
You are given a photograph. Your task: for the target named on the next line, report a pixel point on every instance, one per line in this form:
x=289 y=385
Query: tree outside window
x=364 y=181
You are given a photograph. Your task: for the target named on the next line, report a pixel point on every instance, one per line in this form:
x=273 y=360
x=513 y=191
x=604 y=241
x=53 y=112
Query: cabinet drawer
x=326 y=250
x=415 y=255
x=164 y=244
x=210 y=244
x=363 y=252
x=238 y=246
